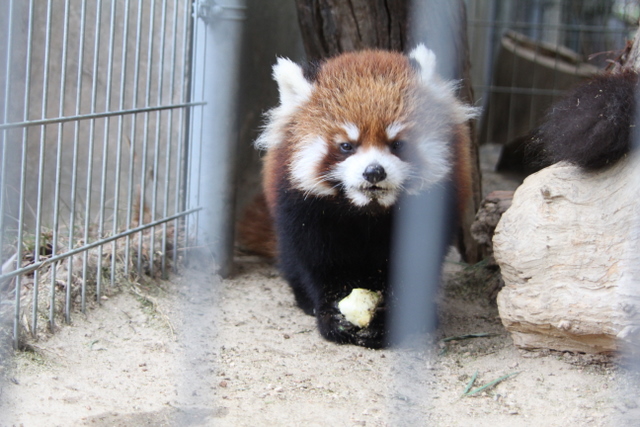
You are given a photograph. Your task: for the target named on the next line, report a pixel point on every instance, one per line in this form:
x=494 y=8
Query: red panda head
x=366 y=127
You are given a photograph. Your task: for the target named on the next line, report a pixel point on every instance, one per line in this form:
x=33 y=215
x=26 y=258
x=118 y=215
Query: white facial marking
x=304 y=168
x=394 y=129
x=360 y=191
x=353 y=133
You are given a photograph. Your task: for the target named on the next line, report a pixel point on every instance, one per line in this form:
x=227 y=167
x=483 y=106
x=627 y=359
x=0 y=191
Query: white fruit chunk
x=359 y=306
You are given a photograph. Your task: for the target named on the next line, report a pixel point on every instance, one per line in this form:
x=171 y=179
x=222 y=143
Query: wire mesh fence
x=93 y=153
x=527 y=53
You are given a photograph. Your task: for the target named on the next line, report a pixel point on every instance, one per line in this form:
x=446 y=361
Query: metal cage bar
x=118 y=165
x=113 y=74
x=58 y=168
x=215 y=47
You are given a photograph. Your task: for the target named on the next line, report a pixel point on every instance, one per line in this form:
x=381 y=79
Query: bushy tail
x=255 y=229
x=592 y=126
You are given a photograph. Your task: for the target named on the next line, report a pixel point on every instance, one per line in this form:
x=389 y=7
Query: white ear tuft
x=294 y=88
x=426 y=59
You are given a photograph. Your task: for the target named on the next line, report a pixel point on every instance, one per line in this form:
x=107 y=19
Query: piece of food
x=359 y=306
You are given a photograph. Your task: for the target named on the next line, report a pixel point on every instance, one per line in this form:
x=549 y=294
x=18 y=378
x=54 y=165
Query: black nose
x=374 y=173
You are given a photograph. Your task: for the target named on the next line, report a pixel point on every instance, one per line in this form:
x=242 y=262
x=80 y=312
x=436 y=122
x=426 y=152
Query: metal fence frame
x=151 y=103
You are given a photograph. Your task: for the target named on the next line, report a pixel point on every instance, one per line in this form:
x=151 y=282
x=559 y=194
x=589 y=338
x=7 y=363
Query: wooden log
x=488 y=216
x=568 y=251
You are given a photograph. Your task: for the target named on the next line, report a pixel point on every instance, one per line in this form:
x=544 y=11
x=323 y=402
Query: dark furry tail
x=592 y=126
x=255 y=229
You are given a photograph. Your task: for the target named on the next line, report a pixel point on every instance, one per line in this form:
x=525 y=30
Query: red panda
x=350 y=137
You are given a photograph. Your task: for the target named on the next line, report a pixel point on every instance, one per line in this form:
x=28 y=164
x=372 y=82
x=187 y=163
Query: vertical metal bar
x=192 y=166
x=494 y=42
x=217 y=86
x=87 y=210
x=19 y=248
x=105 y=152
x=534 y=93
x=74 y=166
x=56 y=198
x=123 y=80
x=512 y=100
x=167 y=157
x=191 y=128
x=213 y=72
x=201 y=128
x=132 y=151
x=3 y=140
x=145 y=141
x=156 y=153
x=422 y=233
x=23 y=179
x=181 y=157
x=198 y=148
x=181 y=149
x=39 y=207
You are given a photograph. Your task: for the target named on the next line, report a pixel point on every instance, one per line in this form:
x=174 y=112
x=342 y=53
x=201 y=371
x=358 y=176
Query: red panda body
x=346 y=142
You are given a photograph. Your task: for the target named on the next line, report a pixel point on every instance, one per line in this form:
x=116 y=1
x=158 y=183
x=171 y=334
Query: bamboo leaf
x=470 y=384
x=468 y=336
x=491 y=384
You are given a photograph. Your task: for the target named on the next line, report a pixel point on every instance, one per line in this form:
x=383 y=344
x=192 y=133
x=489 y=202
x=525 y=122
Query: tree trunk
x=330 y=27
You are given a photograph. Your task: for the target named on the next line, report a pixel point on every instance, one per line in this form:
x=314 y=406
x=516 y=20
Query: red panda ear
x=426 y=60
x=294 y=88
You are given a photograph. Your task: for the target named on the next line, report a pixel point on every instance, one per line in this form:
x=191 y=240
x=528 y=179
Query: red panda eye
x=396 y=146
x=346 y=147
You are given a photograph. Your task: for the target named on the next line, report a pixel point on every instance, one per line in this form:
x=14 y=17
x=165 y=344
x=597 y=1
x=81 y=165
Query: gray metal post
x=421 y=237
x=212 y=144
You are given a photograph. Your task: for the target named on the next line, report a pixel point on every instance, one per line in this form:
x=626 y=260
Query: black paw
x=334 y=327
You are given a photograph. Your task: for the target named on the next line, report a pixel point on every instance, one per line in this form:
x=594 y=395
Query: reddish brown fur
x=462 y=165
x=255 y=229
x=276 y=164
x=343 y=92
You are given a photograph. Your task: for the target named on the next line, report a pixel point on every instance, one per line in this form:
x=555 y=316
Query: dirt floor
x=200 y=351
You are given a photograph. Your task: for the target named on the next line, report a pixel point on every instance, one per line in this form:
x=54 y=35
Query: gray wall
x=271 y=30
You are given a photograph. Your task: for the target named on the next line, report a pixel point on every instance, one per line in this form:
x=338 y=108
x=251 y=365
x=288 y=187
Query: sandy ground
x=200 y=351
